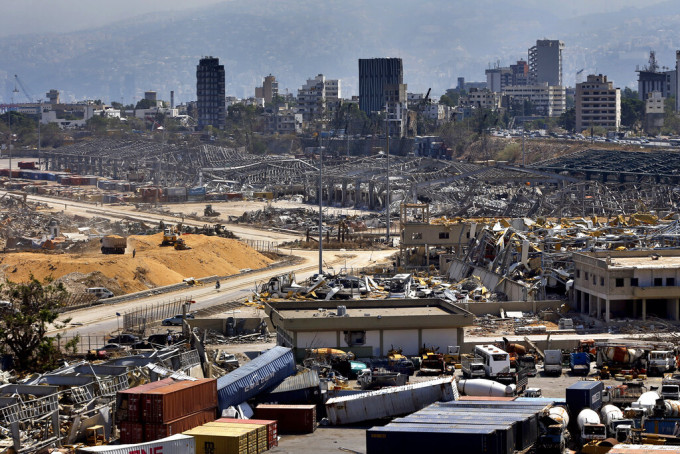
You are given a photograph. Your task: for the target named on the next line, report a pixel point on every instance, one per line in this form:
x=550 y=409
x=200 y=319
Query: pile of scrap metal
x=57 y=408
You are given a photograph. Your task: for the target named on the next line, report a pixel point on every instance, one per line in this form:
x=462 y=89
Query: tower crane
x=23 y=88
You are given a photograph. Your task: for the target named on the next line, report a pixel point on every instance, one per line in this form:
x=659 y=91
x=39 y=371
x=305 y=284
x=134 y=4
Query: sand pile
x=152 y=265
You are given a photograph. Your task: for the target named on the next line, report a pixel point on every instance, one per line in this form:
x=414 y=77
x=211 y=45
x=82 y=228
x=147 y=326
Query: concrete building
x=284 y=120
x=654 y=111
x=628 y=284
x=520 y=73
x=374 y=75
x=53 y=96
x=269 y=89
x=545 y=62
x=311 y=98
x=677 y=80
x=549 y=100
x=210 y=93
x=397 y=109
x=652 y=78
x=481 y=99
x=597 y=103
x=498 y=78
x=370 y=327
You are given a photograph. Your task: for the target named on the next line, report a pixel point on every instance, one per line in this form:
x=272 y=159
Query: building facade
x=545 y=62
x=210 y=93
x=374 y=75
x=269 y=89
x=481 y=99
x=549 y=100
x=654 y=111
x=597 y=103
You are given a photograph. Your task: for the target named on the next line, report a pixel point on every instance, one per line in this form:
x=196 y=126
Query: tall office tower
x=210 y=94
x=374 y=74
x=545 y=62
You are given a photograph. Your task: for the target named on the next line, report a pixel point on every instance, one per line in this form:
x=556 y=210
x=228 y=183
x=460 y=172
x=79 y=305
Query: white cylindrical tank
x=560 y=415
x=647 y=401
x=483 y=387
x=672 y=408
x=587 y=416
x=610 y=413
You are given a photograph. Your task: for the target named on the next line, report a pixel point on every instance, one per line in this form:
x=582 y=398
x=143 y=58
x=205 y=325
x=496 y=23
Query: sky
x=49 y=16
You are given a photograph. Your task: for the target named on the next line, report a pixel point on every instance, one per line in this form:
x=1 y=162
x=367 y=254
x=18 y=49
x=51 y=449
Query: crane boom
x=23 y=89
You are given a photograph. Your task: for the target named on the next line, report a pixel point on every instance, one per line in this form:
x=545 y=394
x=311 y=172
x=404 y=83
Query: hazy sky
x=41 y=16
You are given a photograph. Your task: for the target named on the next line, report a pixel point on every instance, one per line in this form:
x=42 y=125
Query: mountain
x=296 y=40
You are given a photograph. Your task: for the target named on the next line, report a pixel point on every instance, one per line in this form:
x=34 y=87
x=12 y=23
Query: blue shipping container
x=584 y=394
x=261 y=374
x=663 y=426
x=196 y=191
x=405 y=438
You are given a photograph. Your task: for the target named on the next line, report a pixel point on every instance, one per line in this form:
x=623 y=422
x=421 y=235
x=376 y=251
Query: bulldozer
x=209 y=212
x=170 y=236
x=180 y=245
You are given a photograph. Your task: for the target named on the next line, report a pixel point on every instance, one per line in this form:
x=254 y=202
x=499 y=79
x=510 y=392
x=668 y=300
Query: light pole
x=387 y=151
x=118 y=320
x=320 y=206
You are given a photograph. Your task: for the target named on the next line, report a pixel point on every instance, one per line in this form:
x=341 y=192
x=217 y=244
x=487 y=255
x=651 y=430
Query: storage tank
x=559 y=415
x=623 y=355
x=610 y=413
x=483 y=387
x=587 y=416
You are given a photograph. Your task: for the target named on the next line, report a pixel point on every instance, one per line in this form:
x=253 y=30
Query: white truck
x=590 y=426
x=660 y=362
x=553 y=362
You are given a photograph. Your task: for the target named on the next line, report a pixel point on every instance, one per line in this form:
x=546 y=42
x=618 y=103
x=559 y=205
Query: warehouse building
x=628 y=283
x=368 y=327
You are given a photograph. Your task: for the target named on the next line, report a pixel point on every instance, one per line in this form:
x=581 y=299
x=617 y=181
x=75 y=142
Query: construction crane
x=420 y=107
x=23 y=88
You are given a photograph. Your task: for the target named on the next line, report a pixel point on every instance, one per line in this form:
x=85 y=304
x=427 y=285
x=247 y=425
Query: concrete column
x=357 y=193
x=607 y=315
x=371 y=195
x=382 y=352
x=599 y=307
x=635 y=308
x=644 y=309
x=677 y=309
x=344 y=192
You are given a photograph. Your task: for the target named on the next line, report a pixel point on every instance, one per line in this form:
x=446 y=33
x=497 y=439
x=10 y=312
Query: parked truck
x=113 y=244
x=554 y=438
x=579 y=363
x=553 y=362
x=473 y=367
x=617 y=426
x=380 y=378
x=590 y=427
x=660 y=362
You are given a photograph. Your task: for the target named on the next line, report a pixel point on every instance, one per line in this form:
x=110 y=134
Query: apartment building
x=545 y=62
x=210 y=93
x=597 y=104
x=549 y=100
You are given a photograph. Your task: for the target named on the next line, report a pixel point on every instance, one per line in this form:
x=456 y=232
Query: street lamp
x=118 y=320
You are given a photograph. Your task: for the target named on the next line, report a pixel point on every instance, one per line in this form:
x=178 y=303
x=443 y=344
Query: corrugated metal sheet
x=292 y=419
x=505 y=433
x=403 y=438
x=178 y=400
x=395 y=401
x=217 y=441
x=305 y=379
x=131 y=432
x=259 y=375
x=177 y=444
x=272 y=429
x=128 y=401
x=260 y=430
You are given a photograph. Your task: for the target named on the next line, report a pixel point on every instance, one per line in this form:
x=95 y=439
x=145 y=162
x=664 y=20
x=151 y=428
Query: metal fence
x=139 y=319
x=263 y=246
x=85 y=342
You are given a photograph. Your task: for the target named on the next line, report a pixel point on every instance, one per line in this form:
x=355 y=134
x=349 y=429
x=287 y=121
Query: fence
x=85 y=342
x=263 y=246
x=137 y=320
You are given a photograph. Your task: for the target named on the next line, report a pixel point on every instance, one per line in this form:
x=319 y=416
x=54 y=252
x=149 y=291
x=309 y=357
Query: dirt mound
x=152 y=265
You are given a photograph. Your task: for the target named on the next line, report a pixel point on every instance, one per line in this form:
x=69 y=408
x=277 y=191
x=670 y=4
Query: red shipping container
x=131 y=432
x=155 y=431
x=178 y=400
x=272 y=431
x=292 y=419
x=128 y=401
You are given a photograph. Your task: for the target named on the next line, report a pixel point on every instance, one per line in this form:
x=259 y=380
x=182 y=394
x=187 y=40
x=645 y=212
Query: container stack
x=270 y=425
x=153 y=411
x=245 y=436
x=292 y=419
x=501 y=427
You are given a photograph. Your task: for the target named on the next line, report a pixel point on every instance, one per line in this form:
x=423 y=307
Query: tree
x=632 y=112
x=145 y=104
x=23 y=328
x=568 y=119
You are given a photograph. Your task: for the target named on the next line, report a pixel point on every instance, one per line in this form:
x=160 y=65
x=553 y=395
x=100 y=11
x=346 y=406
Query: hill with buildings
x=438 y=41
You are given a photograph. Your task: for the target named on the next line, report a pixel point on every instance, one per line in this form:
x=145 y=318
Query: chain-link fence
x=139 y=319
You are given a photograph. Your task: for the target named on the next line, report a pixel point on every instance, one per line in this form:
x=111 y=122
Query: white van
x=100 y=292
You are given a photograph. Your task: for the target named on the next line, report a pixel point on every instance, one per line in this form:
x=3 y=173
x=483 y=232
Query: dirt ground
x=152 y=265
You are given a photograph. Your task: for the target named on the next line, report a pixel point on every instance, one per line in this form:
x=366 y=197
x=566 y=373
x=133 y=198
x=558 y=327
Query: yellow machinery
x=170 y=236
x=180 y=245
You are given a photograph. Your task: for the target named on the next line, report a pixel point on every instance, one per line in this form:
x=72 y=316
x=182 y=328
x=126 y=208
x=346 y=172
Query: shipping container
x=404 y=438
x=292 y=419
x=234 y=196
x=27 y=165
x=301 y=388
x=584 y=394
x=249 y=431
x=219 y=442
x=504 y=432
x=388 y=402
x=177 y=444
x=197 y=191
x=257 y=376
x=663 y=426
x=272 y=430
x=128 y=401
x=179 y=399
x=260 y=431
x=131 y=432
x=644 y=449
x=157 y=430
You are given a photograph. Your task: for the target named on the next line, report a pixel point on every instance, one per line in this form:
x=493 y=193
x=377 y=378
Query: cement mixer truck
x=617 y=426
x=554 y=438
x=589 y=426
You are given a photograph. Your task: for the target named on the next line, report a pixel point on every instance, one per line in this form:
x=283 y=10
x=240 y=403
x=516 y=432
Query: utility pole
x=524 y=158
x=9 y=112
x=320 y=205
x=40 y=121
x=387 y=146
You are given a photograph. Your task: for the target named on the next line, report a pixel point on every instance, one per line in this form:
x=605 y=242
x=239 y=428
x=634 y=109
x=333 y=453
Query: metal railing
x=138 y=319
x=263 y=246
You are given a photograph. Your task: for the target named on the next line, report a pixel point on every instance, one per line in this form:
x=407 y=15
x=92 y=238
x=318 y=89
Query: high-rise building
x=545 y=62
x=374 y=75
x=269 y=89
x=597 y=103
x=318 y=95
x=210 y=93
x=651 y=79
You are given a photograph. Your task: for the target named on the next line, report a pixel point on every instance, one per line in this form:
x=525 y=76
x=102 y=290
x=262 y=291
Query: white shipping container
x=387 y=402
x=176 y=444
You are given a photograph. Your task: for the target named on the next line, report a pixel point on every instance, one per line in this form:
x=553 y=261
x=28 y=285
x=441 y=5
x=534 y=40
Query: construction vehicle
x=473 y=367
x=95 y=435
x=431 y=362
x=397 y=362
x=553 y=362
x=209 y=212
x=170 y=236
x=113 y=244
x=623 y=395
x=380 y=378
x=452 y=357
x=181 y=245
x=661 y=362
x=579 y=363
